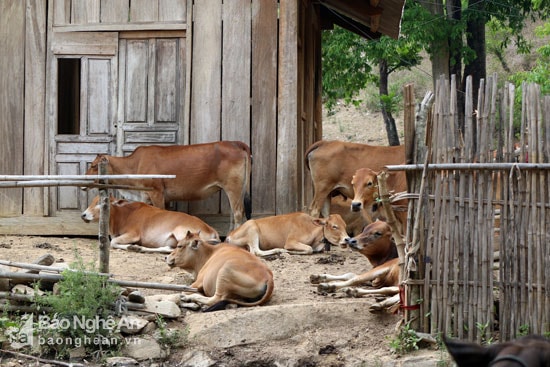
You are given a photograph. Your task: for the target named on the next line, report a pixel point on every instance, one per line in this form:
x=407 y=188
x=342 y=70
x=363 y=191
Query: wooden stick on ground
x=41 y=360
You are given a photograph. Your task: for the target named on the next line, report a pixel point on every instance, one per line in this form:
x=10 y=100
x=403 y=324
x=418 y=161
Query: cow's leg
x=236 y=202
x=162 y=250
x=249 y=235
x=200 y=299
x=320 y=278
x=358 y=292
x=124 y=241
x=298 y=248
x=157 y=197
x=361 y=279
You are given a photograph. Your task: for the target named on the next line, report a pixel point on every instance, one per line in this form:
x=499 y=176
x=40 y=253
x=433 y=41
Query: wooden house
x=80 y=78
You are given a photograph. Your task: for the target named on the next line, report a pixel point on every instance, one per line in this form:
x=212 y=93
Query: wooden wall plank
x=12 y=104
x=144 y=10
x=206 y=76
x=264 y=105
x=206 y=84
x=236 y=46
x=85 y=12
x=166 y=80
x=172 y=10
x=136 y=80
x=236 y=71
x=35 y=84
x=61 y=12
x=287 y=126
x=310 y=90
x=114 y=11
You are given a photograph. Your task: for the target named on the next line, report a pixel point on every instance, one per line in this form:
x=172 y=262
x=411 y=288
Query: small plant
x=168 y=338
x=406 y=341
x=523 y=330
x=82 y=314
x=482 y=329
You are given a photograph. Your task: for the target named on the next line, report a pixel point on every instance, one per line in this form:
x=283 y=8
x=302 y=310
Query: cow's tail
x=260 y=300
x=246 y=182
x=268 y=291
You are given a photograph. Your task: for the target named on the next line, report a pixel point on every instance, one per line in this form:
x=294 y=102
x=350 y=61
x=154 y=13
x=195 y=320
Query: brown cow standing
x=141 y=227
x=333 y=163
x=223 y=273
x=201 y=170
x=296 y=233
x=529 y=351
x=375 y=242
x=366 y=195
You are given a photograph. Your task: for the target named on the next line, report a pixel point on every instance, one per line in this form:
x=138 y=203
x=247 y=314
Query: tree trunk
x=475 y=39
x=389 y=121
x=439 y=54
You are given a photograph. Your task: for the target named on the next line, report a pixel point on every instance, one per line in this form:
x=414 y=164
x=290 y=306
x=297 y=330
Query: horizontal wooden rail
x=79 y=177
x=469 y=166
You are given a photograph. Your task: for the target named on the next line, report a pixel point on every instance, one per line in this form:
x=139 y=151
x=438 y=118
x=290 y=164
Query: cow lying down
x=223 y=273
x=529 y=351
x=137 y=226
x=295 y=233
x=375 y=242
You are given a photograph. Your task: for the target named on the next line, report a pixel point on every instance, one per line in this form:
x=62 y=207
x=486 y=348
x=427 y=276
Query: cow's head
x=529 y=351
x=94 y=166
x=191 y=253
x=375 y=239
x=91 y=214
x=334 y=229
x=365 y=188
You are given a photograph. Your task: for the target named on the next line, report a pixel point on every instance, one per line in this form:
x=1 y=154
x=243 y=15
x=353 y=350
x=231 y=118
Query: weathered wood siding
x=160 y=72
x=119 y=12
x=12 y=101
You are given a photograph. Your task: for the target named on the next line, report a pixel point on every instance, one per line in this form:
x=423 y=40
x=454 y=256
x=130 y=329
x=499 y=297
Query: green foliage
x=406 y=341
x=81 y=314
x=540 y=74
x=523 y=330
x=169 y=338
x=482 y=329
x=345 y=67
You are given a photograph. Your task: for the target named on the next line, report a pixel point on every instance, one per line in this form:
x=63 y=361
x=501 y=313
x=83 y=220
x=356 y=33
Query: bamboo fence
x=482 y=188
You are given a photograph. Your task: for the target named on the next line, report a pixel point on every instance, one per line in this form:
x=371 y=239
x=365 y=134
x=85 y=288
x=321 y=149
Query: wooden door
x=84 y=126
x=151 y=90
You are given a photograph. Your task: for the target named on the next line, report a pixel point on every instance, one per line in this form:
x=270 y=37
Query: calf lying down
x=137 y=226
x=223 y=273
x=296 y=233
x=375 y=242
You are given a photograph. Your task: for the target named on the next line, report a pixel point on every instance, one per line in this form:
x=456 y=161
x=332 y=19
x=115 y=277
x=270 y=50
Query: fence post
x=104 y=214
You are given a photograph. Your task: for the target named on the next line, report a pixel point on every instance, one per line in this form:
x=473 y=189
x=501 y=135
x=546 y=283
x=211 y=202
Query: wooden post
x=104 y=214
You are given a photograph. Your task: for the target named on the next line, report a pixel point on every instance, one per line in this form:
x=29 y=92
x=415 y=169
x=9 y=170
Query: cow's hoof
x=351 y=292
x=326 y=288
x=135 y=248
x=315 y=278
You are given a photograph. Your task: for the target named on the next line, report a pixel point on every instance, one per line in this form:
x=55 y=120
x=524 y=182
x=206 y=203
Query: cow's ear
x=468 y=354
x=319 y=222
x=119 y=202
x=104 y=159
x=195 y=245
x=188 y=234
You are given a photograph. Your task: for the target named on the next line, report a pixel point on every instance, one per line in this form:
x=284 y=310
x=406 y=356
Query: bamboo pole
x=79 y=177
x=104 y=217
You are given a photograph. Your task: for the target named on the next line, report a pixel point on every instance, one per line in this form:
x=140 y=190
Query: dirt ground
x=364 y=341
